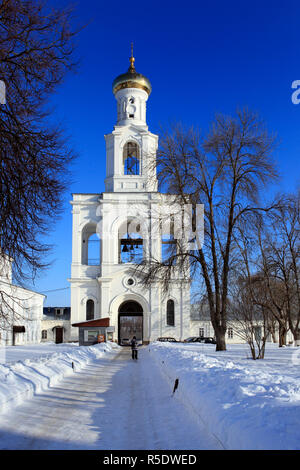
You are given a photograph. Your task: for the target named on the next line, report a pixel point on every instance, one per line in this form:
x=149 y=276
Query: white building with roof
x=21 y=310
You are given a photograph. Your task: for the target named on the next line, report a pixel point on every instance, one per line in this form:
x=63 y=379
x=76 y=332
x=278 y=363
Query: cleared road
x=111 y=404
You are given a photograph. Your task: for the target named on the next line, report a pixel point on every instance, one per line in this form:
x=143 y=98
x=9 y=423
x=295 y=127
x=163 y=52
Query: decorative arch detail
x=90 y=222
x=89 y=297
x=120 y=220
x=116 y=302
x=131 y=138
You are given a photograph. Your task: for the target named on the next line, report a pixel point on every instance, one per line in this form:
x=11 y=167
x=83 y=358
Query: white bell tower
x=115 y=230
x=131 y=148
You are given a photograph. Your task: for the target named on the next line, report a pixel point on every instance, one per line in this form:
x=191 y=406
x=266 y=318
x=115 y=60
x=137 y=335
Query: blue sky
x=201 y=58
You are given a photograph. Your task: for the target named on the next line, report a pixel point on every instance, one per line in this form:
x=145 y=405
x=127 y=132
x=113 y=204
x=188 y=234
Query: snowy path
x=111 y=404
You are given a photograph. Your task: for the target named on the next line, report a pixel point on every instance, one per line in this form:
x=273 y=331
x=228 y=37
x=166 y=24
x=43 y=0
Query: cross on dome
x=131 y=79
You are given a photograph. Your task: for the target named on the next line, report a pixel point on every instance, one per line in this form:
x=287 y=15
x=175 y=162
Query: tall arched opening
x=130 y=321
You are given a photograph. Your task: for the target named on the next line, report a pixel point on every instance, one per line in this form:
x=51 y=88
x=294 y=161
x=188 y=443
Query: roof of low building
x=90 y=323
x=200 y=311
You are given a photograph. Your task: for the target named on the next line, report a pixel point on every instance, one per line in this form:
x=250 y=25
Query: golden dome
x=131 y=79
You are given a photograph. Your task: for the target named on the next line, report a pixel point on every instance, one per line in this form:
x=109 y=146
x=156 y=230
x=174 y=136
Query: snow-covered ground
x=113 y=402
x=224 y=400
x=246 y=404
x=34 y=368
x=11 y=354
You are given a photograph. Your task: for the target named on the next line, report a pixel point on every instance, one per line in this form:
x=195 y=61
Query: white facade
x=56 y=325
x=49 y=328
x=234 y=334
x=99 y=287
x=205 y=328
x=24 y=310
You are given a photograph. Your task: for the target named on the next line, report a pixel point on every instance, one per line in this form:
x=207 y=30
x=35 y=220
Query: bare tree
x=250 y=321
x=36 y=51
x=227 y=171
x=279 y=261
x=270 y=257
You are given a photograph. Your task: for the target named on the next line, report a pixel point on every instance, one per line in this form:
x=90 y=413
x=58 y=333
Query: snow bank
x=20 y=380
x=245 y=404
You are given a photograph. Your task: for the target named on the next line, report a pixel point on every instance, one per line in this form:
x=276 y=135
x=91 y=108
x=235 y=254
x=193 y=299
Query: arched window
x=44 y=334
x=170 y=313
x=90 y=307
x=91 y=246
x=131 y=159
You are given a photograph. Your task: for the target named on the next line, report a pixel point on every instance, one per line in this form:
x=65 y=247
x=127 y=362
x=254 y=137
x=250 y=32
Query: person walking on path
x=134 y=348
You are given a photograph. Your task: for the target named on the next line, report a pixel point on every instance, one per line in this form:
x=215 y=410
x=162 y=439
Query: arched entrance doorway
x=130 y=321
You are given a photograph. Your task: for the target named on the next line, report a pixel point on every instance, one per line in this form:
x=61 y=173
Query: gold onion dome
x=131 y=79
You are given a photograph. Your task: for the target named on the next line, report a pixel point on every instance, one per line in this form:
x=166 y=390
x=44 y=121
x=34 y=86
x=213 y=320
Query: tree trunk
x=271 y=329
x=262 y=348
x=296 y=334
x=282 y=336
x=220 y=338
x=252 y=349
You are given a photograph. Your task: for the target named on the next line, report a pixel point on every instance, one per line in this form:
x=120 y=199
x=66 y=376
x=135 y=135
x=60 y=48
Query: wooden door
x=58 y=335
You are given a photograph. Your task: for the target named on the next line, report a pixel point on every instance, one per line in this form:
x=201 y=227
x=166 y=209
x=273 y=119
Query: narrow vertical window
x=90 y=310
x=131 y=159
x=170 y=313
x=94 y=250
